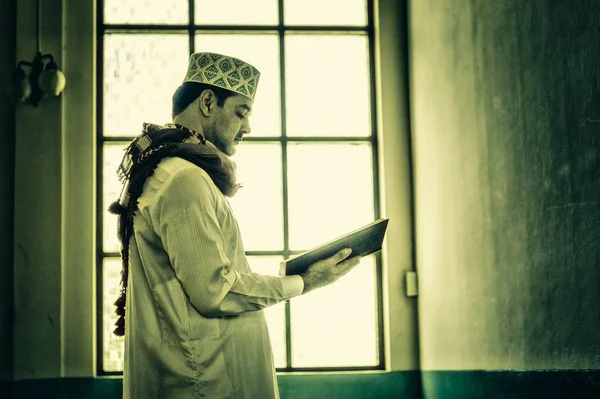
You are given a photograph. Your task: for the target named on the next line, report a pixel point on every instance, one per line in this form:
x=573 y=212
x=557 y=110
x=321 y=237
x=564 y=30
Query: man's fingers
x=343 y=268
x=350 y=263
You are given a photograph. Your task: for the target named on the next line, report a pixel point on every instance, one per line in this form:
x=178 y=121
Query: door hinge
x=411 y=284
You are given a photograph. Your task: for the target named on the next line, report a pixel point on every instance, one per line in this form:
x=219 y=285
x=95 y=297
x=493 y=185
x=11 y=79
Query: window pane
x=236 y=12
x=325 y=12
x=111 y=190
x=258 y=205
x=275 y=315
x=113 y=346
x=141 y=73
x=330 y=191
x=146 y=12
x=262 y=51
x=336 y=325
x=327 y=85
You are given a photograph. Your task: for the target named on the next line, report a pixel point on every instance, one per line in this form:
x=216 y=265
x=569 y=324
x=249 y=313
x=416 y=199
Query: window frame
x=192 y=30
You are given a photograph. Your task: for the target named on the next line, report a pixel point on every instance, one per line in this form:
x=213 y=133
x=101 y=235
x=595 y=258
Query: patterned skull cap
x=223 y=71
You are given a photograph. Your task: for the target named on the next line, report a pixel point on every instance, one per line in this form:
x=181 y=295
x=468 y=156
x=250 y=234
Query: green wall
x=7 y=170
x=38 y=218
x=506 y=122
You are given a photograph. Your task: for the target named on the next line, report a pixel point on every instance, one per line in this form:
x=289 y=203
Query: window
x=309 y=168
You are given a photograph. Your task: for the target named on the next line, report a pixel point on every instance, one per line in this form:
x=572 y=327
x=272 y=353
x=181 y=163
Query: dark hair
x=190 y=91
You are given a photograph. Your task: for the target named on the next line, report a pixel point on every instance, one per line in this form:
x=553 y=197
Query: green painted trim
x=568 y=384
x=66 y=388
x=396 y=384
x=399 y=384
x=543 y=384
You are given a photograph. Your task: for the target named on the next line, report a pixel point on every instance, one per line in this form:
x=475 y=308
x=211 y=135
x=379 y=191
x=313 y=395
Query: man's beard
x=218 y=141
x=226 y=147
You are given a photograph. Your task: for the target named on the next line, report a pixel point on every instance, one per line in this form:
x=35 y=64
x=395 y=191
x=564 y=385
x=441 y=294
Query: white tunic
x=194 y=321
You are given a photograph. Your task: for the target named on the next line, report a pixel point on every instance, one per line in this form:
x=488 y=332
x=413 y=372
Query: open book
x=364 y=241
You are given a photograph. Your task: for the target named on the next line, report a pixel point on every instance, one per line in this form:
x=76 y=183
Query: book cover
x=363 y=241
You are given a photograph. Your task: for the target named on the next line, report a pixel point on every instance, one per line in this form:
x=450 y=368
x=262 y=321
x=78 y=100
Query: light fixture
x=44 y=79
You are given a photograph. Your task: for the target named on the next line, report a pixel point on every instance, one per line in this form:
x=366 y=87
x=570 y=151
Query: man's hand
x=328 y=270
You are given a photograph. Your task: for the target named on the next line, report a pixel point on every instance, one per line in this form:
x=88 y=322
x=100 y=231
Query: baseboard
x=398 y=384
x=542 y=384
x=466 y=384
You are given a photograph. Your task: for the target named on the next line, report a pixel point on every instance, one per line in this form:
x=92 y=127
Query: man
x=195 y=325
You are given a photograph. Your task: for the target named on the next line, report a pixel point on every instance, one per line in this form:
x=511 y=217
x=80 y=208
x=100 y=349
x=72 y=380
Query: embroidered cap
x=223 y=71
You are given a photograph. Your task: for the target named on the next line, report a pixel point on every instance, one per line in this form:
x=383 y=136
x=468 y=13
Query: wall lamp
x=44 y=79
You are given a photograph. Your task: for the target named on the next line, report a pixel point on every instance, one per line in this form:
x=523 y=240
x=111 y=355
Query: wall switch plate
x=411 y=284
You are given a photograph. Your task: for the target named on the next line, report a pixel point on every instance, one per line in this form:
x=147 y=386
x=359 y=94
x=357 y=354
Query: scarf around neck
x=141 y=158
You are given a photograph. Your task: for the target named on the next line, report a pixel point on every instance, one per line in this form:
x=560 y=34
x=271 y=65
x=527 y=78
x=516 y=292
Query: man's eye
x=240 y=115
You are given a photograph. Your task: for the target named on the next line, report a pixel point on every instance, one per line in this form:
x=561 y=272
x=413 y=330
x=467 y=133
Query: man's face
x=230 y=123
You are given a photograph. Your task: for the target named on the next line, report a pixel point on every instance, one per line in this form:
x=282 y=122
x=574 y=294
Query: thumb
x=343 y=254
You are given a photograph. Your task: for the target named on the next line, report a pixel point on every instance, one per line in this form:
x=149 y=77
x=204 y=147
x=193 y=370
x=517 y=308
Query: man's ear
x=207 y=102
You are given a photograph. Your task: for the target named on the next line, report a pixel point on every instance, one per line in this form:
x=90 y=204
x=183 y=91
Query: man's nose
x=246 y=129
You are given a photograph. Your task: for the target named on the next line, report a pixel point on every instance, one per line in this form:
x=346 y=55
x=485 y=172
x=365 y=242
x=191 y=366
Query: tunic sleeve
x=184 y=217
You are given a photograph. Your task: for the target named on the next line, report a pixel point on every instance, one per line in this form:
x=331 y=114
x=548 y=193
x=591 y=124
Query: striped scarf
x=141 y=158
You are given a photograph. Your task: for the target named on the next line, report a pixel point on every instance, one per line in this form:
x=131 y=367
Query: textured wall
x=7 y=171
x=506 y=130
x=54 y=208
x=395 y=163
x=38 y=180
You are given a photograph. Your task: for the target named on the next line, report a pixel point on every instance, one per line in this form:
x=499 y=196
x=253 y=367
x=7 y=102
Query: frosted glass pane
x=327 y=85
x=112 y=346
x=146 y=12
x=330 y=190
x=262 y=51
x=275 y=315
x=236 y=12
x=258 y=205
x=141 y=73
x=325 y=12
x=111 y=191
x=337 y=325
